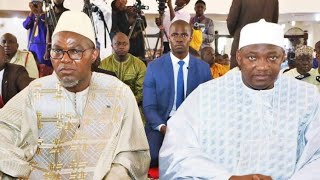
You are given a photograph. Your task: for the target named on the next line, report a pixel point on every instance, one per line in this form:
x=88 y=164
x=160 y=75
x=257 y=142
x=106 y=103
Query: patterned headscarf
x=304 y=50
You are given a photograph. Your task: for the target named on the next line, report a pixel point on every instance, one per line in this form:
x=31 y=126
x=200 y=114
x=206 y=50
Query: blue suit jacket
x=158 y=87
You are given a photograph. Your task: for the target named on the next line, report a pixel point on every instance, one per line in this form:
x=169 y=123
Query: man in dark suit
x=243 y=12
x=13 y=78
x=168 y=81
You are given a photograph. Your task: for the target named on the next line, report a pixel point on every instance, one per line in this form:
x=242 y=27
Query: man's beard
x=68 y=83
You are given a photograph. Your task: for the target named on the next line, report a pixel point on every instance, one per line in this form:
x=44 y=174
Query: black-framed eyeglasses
x=74 y=54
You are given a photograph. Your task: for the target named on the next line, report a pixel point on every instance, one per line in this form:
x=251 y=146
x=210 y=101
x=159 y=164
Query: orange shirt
x=217 y=70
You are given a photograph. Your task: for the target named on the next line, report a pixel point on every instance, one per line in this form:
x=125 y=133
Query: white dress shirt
x=176 y=67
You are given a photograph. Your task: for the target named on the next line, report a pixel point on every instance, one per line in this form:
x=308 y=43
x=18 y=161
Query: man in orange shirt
x=217 y=70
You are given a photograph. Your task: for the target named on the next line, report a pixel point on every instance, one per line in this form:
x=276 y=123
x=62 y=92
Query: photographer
x=123 y=19
x=176 y=13
x=35 y=23
x=199 y=21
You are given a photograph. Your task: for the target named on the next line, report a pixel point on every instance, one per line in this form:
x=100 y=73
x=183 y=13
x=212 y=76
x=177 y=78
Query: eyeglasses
x=73 y=54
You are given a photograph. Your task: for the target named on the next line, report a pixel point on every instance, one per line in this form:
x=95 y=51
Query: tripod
x=160 y=36
x=139 y=22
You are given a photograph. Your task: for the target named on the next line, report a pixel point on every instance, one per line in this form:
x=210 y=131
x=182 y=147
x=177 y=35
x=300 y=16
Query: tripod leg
x=132 y=28
x=156 y=47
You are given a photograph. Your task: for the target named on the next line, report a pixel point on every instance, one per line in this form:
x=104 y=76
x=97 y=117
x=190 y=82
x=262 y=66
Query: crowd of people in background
x=190 y=113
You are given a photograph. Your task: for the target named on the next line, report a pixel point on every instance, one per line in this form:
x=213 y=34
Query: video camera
x=162 y=6
x=139 y=6
x=197 y=25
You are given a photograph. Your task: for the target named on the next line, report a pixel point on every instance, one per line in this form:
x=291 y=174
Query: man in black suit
x=243 y=12
x=13 y=79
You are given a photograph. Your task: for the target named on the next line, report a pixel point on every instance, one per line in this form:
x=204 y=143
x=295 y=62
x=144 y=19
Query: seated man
x=217 y=70
x=15 y=56
x=13 y=78
x=303 y=62
x=75 y=123
x=168 y=81
x=248 y=124
x=128 y=68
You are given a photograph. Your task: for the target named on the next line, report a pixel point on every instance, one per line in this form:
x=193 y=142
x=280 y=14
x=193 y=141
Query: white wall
x=213 y=6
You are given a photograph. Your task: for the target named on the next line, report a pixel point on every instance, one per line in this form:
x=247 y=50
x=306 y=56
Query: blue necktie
x=180 y=85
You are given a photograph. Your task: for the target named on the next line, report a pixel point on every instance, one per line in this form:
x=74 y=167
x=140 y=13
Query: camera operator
x=199 y=21
x=176 y=13
x=52 y=18
x=123 y=19
x=35 y=23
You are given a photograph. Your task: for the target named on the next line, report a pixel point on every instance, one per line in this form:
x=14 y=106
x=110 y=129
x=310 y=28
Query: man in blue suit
x=167 y=82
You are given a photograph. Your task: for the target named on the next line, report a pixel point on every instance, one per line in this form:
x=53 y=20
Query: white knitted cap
x=261 y=32
x=77 y=22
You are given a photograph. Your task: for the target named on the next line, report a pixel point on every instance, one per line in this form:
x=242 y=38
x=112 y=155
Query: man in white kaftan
x=234 y=127
x=73 y=124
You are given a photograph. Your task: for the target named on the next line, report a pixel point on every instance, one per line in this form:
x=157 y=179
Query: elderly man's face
x=74 y=73
x=303 y=63
x=260 y=65
x=10 y=44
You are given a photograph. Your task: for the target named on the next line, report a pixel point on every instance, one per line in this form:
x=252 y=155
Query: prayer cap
x=77 y=22
x=261 y=32
x=304 y=50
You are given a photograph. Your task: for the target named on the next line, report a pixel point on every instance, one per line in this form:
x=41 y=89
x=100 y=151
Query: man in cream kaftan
x=74 y=124
x=57 y=134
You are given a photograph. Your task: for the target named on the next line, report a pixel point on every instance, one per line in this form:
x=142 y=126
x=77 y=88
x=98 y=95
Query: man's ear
x=284 y=57
x=95 y=54
x=238 y=58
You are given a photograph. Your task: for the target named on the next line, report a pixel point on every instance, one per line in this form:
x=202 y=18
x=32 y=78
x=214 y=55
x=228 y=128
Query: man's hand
x=251 y=177
x=163 y=129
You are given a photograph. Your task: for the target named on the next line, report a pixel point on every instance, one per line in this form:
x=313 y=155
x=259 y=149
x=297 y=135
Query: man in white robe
x=248 y=124
x=73 y=124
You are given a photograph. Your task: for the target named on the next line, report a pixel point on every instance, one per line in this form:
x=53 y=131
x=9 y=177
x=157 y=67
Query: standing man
x=207 y=31
x=15 y=56
x=13 y=78
x=35 y=23
x=173 y=14
x=168 y=81
x=93 y=128
x=52 y=19
x=128 y=68
x=123 y=20
x=243 y=12
x=253 y=127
